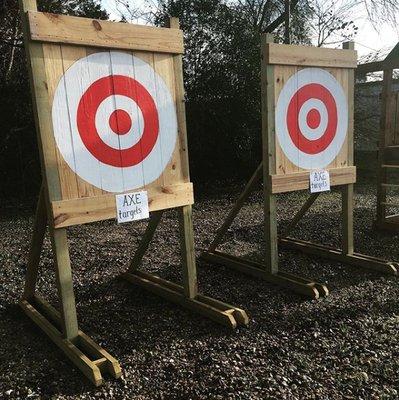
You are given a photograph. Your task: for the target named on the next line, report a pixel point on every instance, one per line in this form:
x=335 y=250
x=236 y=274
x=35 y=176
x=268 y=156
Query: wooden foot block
x=356 y=259
x=295 y=283
x=218 y=311
x=90 y=358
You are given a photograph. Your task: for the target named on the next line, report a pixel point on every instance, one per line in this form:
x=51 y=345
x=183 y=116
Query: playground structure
x=95 y=84
x=388 y=144
x=295 y=142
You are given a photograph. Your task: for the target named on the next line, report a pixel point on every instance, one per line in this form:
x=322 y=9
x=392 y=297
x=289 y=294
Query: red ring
x=86 y=116
x=312 y=91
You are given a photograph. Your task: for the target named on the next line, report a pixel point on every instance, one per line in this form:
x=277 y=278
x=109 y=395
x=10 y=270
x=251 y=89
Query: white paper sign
x=131 y=206
x=319 y=181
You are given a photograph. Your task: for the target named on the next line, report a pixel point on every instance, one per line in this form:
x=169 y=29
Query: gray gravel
x=344 y=346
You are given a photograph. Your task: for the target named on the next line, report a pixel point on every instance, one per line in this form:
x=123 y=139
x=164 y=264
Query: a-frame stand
x=269 y=270
x=62 y=327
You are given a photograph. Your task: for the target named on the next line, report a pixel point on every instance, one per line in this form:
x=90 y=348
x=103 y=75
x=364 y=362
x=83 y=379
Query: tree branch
x=278 y=21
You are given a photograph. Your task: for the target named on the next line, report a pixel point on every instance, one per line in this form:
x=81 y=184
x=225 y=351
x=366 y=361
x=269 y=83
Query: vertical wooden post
x=64 y=282
x=269 y=158
x=347 y=190
x=188 y=252
x=39 y=231
x=384 y=126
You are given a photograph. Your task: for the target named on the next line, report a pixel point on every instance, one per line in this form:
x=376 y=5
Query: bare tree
x=333 y=21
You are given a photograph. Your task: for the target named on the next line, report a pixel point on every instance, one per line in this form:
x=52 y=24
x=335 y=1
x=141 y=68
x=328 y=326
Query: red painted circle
x=120 y=122
x=86 y=116
x=312 y=91
x=313 y=118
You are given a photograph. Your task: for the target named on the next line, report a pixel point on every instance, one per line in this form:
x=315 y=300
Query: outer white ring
x=70 y=90
x=295 y=82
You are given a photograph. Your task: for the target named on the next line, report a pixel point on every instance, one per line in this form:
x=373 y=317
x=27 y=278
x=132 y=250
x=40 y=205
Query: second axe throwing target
x=113 y=113
x=312 y=118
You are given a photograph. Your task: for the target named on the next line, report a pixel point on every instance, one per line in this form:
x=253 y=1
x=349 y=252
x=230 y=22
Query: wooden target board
x=115 y=121
x=109 y=107
x=309 y=108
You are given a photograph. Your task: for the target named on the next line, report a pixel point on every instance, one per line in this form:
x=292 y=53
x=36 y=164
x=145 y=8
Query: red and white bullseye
x=311 y=118
x=114 y=121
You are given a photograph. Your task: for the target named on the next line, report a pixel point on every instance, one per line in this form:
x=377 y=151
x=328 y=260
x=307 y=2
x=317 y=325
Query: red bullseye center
x=313 y=119
x=120 y=122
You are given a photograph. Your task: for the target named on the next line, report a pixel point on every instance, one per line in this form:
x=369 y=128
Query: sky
x=367 y=40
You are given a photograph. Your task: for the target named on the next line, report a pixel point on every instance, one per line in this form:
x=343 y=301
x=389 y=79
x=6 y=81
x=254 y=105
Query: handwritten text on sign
x=131 y=206
x=319 y=181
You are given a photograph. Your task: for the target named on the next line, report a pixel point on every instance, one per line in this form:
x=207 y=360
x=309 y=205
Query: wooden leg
x=347 y=221
x=271 y=240
x=188 y=252
x=155 y=219
x=300 y=214
x=39 y=232
x=237 y=207
x=64 y=283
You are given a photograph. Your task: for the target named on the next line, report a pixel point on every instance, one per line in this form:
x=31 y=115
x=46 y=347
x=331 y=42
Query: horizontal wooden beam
x=298 y=284
x=376 y=66
x=216 y=310
x=300 y=180
x=55 y=28
x=285 y=54
x=356 y=259
x=90 y=209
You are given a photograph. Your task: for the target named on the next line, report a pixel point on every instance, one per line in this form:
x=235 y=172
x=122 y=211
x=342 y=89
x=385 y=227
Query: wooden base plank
x=90 y=358
x=295 y=283
x=390 y=224
x=218 y=311
x=356 y=259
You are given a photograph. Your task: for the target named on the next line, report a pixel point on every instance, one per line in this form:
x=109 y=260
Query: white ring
x=304 y=77
x=72 y=86
x=107 y=135
x=307 y=131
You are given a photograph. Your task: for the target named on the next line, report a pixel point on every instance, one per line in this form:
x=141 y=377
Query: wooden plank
x=39 y=231
x=255 y=178
x=188 y=252
x=384 y=128
x=180 y=107
x=56 y=28
x=161 y=288
x=79 y=359
x=302 y=286
x=286 y=54
x=269 y=156
x=55 y=68
x=41 y=107
x=155 y=219
x=64 y=283
x=376 y=66
x=85 y=343
x=300 y=180
x=356 y=259
x=91 y=209
x=300 y=214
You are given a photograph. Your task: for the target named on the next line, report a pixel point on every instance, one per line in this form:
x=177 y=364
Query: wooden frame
x=59 y=206
x=388 y=144
x=279 y=181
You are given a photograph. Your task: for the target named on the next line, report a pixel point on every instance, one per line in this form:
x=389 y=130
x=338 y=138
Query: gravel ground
x=344 y=346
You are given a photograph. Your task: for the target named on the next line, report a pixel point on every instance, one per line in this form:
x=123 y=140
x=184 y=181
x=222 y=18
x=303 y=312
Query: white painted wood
x=294 y=152
x=77 y=80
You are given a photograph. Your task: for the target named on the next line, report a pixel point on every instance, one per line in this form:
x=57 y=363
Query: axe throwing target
x=113 y=112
